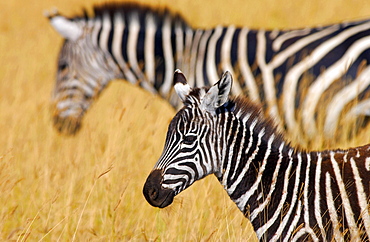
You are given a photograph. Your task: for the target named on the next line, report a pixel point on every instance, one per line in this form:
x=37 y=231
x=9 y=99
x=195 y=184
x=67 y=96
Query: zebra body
x=294 y=74
x=287 y=193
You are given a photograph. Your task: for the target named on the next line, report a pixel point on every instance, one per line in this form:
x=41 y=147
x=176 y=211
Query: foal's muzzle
x=154 y=193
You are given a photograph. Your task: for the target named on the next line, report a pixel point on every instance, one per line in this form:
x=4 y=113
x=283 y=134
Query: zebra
x=294 y=74
x=288 y=194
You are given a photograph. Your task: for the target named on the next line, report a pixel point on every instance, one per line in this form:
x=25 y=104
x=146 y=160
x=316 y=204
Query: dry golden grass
x=88 y=187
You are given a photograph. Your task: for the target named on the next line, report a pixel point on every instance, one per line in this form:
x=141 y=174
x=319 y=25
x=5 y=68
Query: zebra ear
x=181 y=86
x=67 y=28
x=218 y=94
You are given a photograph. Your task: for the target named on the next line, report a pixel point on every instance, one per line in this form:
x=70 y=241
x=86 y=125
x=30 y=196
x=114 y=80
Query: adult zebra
x=287 y=193
x=296 y=75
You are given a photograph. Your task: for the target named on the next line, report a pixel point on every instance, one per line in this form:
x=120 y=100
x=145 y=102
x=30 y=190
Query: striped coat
x=288 y=194
x=308 y=80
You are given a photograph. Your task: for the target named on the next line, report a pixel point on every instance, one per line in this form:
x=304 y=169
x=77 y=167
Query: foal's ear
x=218 y=94
x=182 y=88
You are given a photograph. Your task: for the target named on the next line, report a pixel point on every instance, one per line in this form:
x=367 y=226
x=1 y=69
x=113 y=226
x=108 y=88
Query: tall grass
x=88 y=187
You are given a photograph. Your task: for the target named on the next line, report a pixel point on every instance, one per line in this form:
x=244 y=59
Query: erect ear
x=218 y=94
x=65 y=27
x=181 y=86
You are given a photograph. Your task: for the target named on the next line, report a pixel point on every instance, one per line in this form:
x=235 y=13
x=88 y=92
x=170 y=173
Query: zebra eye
x=189 y=139
x=63 y=66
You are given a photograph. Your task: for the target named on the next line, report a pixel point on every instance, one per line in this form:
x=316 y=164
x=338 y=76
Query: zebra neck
x=256 y=164
x=250 y=163
x=257 y=179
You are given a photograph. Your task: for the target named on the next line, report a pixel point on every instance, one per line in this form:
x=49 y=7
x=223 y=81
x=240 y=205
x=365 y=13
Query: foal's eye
x=189 y=139
x=62 y=66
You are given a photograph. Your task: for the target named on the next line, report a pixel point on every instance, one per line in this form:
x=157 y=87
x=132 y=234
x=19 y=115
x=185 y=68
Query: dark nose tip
x=154 y=193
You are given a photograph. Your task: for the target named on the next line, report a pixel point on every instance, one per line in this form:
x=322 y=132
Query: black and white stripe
x=296 y=75
x=287 y=193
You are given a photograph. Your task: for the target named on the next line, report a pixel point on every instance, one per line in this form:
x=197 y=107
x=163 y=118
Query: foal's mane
x=244 y=107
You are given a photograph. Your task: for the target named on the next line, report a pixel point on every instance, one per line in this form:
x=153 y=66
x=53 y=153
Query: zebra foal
x=296 y=75
x=287 y=193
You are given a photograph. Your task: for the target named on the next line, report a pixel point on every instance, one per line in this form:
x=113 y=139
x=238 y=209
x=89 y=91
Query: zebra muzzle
x=154 y=193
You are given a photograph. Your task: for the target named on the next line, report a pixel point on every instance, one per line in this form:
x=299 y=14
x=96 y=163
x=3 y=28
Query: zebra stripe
x=307 y=228
x=287 y=193
x=267 y=76
x=211 y=63
x=168 y=56
x=104 y=34
x=317 y=199
x=226 y=58
x=241 y=202
x=361 y=198
x=282 y=225
x=228 y=168
x=290 y=35
x=132 y=41
x=273 y=184
x=96 y=23
x=199 y=77
x=193 y=54
x=146 y=46
x=250 y=82
x=242 y=142
x=233 y=186
x=119 y=26
x=346 y=203
x=149 y=48
x=332 y=210
x=262 y=230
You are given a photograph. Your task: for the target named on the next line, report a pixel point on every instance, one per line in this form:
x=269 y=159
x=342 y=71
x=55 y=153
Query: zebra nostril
x=153 y=193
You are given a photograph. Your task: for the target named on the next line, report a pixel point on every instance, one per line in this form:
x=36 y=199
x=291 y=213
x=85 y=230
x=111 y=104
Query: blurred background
x=88 y=187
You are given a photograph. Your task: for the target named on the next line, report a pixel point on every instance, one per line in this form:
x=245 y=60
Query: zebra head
x=84 y=69
x=190 y=151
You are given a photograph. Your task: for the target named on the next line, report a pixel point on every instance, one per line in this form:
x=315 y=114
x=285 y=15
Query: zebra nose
x=154 y=193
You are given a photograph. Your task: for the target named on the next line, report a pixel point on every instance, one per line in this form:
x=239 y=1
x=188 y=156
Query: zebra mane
x=195 y=95
x=141 y=10
x=247 y=110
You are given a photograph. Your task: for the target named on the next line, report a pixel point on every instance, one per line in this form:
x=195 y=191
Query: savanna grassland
x=88 y=187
